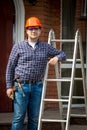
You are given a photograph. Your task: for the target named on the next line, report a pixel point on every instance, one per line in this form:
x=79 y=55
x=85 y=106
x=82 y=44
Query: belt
x=30 y=81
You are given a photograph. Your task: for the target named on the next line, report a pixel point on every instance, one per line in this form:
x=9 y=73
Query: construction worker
x=28 y=61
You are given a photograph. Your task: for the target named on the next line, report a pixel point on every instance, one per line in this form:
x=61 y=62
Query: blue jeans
x=29 y=103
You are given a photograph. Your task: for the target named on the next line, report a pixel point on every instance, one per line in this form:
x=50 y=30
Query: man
x=27 y=62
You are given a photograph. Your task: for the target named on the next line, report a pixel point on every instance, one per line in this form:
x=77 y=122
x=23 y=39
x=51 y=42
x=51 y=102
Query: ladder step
x=56 y=100
x=74 y=97
x=59 y=79
x=52 y=120
x=78 y=115
x=62 y=40
x=71 y=60
x=63 y=79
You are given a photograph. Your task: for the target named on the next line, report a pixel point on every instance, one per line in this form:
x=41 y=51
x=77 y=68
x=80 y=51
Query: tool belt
x=30 y=81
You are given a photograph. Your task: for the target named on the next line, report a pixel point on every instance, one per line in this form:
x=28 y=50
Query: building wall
x=79 y=22
x=48 y=11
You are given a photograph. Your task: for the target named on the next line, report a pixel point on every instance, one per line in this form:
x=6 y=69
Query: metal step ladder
x=65 y=122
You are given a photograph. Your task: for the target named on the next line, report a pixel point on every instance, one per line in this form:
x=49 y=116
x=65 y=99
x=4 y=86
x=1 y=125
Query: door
x=70 y=21
x=6 y=40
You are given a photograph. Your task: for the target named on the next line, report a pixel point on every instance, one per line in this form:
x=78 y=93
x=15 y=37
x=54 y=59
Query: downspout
x=19 y=20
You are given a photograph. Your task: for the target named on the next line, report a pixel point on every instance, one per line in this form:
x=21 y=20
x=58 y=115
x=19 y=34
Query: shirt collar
x=36 y=42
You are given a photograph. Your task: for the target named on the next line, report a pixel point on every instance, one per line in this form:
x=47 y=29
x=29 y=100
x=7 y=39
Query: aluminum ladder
x=65 y=123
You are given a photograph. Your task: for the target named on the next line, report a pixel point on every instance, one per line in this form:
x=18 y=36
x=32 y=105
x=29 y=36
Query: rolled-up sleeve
x=55 y=52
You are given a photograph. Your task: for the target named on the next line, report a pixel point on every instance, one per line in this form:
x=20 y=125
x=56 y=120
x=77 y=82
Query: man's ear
x=26 y=31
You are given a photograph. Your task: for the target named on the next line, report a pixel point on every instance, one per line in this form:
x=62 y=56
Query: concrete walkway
x=75 y=123
x=78 y=127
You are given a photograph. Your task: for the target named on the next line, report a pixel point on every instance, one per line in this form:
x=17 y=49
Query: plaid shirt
x=28 y=63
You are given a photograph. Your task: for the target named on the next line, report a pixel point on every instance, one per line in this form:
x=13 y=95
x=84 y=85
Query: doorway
x=7 y=18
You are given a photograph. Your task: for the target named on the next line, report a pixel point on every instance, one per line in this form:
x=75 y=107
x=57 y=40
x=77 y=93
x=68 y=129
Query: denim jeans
x=30 y=103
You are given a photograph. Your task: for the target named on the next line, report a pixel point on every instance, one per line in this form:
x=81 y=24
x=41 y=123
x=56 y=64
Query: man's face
x=33 y=32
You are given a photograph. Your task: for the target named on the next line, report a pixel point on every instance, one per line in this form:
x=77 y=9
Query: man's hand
x=53 y=60
x=10 y=92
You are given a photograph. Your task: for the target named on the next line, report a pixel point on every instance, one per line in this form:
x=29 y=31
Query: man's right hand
x=10 y=92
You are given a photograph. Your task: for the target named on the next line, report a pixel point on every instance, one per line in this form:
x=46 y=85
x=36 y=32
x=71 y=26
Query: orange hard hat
x=33 y=21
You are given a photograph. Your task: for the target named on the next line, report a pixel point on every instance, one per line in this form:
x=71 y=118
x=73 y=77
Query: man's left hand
x=53 y=60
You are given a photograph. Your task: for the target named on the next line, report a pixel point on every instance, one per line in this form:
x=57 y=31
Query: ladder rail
x=43 y=96
x=72 y=81
x=58 y=85
x=52 y=36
